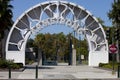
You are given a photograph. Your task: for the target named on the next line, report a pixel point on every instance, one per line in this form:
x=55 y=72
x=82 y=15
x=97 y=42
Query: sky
x=99 y=8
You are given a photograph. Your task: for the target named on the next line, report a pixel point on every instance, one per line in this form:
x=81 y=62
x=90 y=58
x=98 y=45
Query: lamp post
x=79 y=50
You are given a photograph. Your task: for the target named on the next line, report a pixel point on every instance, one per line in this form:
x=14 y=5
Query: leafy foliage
x=6 y=63
x=114 y=16
x=109 y=65
x=5 y=16
x=30 y=43
x=59 y=44
x=114 y=13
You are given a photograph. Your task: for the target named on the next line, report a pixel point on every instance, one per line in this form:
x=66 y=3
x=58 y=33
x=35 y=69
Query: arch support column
x=97 y=57
x=16 y=56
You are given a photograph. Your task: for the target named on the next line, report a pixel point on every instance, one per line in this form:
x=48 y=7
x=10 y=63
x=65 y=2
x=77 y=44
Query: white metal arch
x=57 y=12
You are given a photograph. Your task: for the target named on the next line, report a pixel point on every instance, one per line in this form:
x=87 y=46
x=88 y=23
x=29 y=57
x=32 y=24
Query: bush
x=16 y=66
x=109 y=65
x=27 y=61
x=6 y=63
x=102 y=64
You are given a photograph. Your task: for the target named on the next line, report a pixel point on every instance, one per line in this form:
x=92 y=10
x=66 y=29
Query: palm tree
x=114 y=13
x=5 y=19
x=40 y=40
x=5 y=16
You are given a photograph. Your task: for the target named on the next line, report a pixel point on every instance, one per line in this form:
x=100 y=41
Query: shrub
x=109 y=65
x=6 y=63
x=102 y=64
x=15 y=66
x=27 y=61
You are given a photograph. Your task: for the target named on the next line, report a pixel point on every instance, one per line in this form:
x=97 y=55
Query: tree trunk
x=1 y=49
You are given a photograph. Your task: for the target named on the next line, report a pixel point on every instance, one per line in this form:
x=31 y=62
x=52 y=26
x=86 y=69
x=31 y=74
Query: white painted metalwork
x=57 y=12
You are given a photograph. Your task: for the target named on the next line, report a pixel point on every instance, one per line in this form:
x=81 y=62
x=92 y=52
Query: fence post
x=118 y=71
x=36 y=75
x=9 y=71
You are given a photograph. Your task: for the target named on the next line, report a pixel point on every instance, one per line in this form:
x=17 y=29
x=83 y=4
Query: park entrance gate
x=57 y=12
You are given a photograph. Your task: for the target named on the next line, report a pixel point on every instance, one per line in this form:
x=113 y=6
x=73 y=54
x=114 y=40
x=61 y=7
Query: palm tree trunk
x=39 y=57
x=0 y=48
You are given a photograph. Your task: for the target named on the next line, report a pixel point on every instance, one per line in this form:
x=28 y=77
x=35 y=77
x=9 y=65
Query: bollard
x=36 y=75
x=118 y=71
x=9 y=71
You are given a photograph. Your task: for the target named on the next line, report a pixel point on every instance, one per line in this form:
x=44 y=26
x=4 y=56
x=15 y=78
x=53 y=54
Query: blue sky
x=99 y=8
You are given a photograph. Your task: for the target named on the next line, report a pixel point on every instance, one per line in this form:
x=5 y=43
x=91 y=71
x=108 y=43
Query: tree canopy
x=58 y=44
x=5 y=16
x=114 y=13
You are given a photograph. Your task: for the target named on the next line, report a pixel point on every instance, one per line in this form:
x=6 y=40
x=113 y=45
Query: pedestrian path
x=62 y=72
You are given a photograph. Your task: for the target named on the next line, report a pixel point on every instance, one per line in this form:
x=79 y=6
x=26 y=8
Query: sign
x=82 y=56
x=113 y=48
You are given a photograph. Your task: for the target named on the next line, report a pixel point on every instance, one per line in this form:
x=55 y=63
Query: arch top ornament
x=56 y=12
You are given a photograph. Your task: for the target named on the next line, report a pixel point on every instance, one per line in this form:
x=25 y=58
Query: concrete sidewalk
x=62 y=72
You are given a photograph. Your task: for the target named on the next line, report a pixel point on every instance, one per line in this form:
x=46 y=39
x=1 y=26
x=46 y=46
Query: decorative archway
x=57 y=12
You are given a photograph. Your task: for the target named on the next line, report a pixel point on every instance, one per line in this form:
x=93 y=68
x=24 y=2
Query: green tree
x=30 y=43
x=114 y=13
x=114 y=16
x=101 y=21
x=5 y=16
x=40 y=40
x=82 y=49
x=61 y=42
x=5 y=20
x=57 y=46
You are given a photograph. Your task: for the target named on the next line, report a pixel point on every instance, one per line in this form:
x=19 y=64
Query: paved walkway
x=61 y=72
